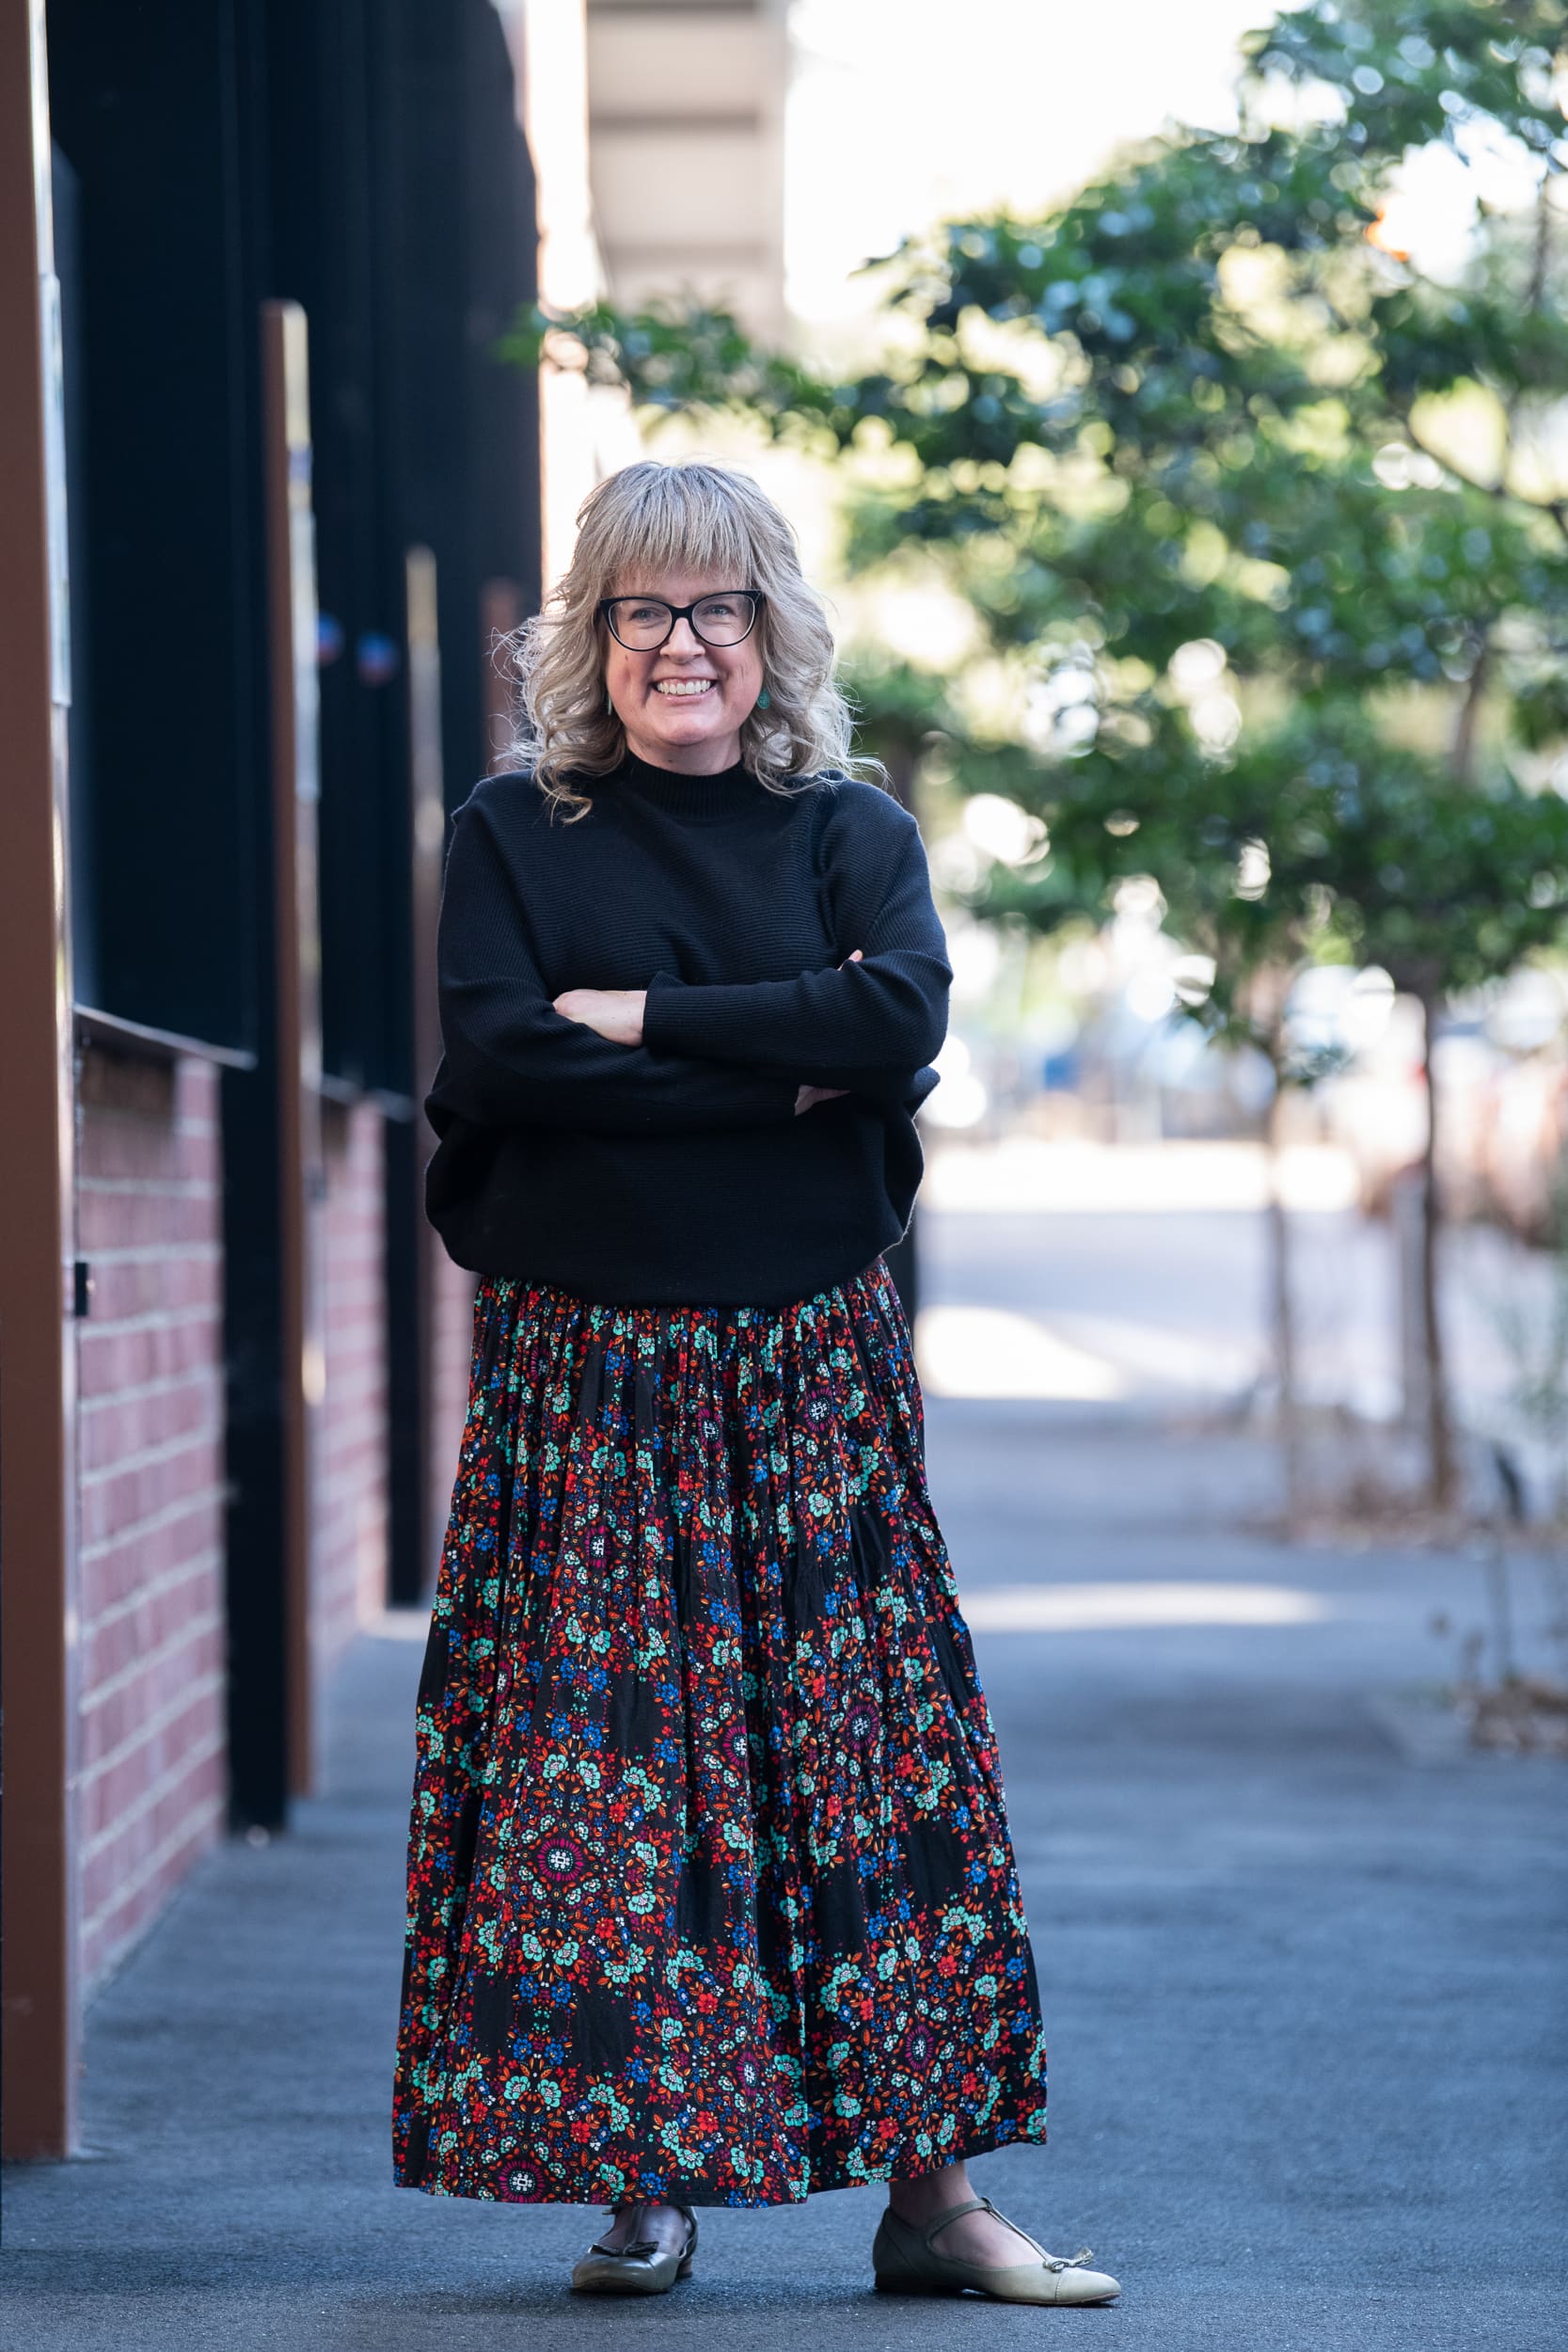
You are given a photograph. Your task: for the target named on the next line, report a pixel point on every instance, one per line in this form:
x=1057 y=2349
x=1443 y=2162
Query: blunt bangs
x=635 y=528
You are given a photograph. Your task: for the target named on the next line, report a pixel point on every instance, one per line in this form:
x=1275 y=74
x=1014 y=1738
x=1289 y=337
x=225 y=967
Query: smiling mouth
x=684 y=687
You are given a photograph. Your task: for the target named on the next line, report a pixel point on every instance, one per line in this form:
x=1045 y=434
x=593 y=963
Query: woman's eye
x=644 y=611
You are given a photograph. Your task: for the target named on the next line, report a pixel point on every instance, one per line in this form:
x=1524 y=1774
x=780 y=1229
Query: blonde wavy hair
x=633 y=527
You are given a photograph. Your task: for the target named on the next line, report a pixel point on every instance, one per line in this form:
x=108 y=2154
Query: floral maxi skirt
x=710 y=1889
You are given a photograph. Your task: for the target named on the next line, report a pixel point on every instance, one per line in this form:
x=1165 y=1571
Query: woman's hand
x=614 y=1012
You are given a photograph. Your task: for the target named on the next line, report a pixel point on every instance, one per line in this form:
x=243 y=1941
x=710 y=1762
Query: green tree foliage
x=1260 y=519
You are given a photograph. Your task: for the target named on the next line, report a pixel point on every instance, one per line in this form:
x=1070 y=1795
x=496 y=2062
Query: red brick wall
x=152 y=1748
x=151 y=1632
x=351 y=1470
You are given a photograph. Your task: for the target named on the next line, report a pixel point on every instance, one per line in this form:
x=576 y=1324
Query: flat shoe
x=906 y=2262
x=638 y=2267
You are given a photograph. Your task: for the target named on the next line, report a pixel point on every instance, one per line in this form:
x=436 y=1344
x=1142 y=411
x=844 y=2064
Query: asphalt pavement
x=1304 y=1994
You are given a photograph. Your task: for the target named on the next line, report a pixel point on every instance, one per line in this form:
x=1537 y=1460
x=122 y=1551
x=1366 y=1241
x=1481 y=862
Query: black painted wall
x=361 y=157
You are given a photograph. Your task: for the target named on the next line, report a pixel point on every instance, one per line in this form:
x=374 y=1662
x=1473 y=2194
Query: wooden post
x=38 y=1363
x=301 y=1170
x=428 y=833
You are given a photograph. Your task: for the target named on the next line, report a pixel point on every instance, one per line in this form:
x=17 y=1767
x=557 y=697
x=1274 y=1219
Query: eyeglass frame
x=684 y=612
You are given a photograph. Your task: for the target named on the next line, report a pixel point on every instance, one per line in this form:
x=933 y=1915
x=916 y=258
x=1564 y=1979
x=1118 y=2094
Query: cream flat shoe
x=906 y=2262
x=637 y=2267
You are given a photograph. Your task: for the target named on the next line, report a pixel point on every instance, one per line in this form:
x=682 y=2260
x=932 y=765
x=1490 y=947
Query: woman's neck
x=688 y=759
x=725 y=794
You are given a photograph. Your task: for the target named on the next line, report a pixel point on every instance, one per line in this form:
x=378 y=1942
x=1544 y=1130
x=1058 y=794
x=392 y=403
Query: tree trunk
x=1282 y=1317
x=1470 y=712
x=1441 y=1465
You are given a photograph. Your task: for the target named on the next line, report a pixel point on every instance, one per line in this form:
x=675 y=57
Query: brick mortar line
x=163 y=1115
x=210 y=1811
x=139 y=1737
x=154 y=1253
x=152 y=1456
x=169 y=1778
x=122 y=1117
x=207 y=1322
x=153 y=1319
x=184 y=1506
x=100 y=1694
x=97 y=1692
x=163 y=1384
x=211 y=1807
x=198 y=1381
x=153 y=1588
x=203 y=1188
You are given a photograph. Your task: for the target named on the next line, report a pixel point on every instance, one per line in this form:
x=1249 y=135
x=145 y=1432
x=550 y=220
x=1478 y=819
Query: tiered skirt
x=710 y=1888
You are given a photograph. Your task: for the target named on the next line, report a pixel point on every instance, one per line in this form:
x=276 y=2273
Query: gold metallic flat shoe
x=638 y=2267
x=906 y=2262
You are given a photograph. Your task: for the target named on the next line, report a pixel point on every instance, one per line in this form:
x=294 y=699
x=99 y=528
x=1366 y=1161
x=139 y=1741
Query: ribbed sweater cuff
x=667 y=1022
x=670 y=1022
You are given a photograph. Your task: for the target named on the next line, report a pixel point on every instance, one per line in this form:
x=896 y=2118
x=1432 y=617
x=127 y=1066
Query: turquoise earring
x=764 y=699
x=609 y=704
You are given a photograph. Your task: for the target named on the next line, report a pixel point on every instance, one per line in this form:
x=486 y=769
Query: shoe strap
x=643 y=2246
x=631 y=2249
x=956 y=2213
x=1054 y=2263
x=943 y=2218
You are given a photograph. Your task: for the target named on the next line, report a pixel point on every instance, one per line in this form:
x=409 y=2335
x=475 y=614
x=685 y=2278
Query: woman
x=711 y=1898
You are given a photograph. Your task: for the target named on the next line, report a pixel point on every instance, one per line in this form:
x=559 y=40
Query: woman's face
x=683 y=704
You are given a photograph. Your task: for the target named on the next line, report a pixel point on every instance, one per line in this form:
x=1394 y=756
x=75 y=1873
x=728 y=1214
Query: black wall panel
x=361 y=157
x=149 y=107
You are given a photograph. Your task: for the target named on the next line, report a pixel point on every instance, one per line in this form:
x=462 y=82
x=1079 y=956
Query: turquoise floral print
x=710 y=1889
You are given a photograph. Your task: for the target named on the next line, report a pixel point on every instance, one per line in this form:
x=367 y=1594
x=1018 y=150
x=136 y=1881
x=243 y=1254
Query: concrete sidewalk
x=1305 y=1998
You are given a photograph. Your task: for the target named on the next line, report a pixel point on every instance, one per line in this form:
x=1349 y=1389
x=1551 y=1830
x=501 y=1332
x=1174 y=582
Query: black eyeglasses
x=643 y=624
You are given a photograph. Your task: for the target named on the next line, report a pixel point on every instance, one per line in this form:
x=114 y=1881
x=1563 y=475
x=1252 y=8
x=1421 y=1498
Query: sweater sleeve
x=866 y=1025
x=509 y=1059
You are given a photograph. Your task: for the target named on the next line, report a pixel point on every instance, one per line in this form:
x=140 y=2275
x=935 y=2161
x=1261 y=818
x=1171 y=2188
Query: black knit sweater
x=678 y=1172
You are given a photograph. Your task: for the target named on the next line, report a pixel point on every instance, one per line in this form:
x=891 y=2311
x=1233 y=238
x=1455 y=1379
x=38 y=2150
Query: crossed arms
x=677 y=1058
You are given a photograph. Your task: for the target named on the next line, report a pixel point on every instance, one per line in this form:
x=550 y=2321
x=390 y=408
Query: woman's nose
x=682 y=639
